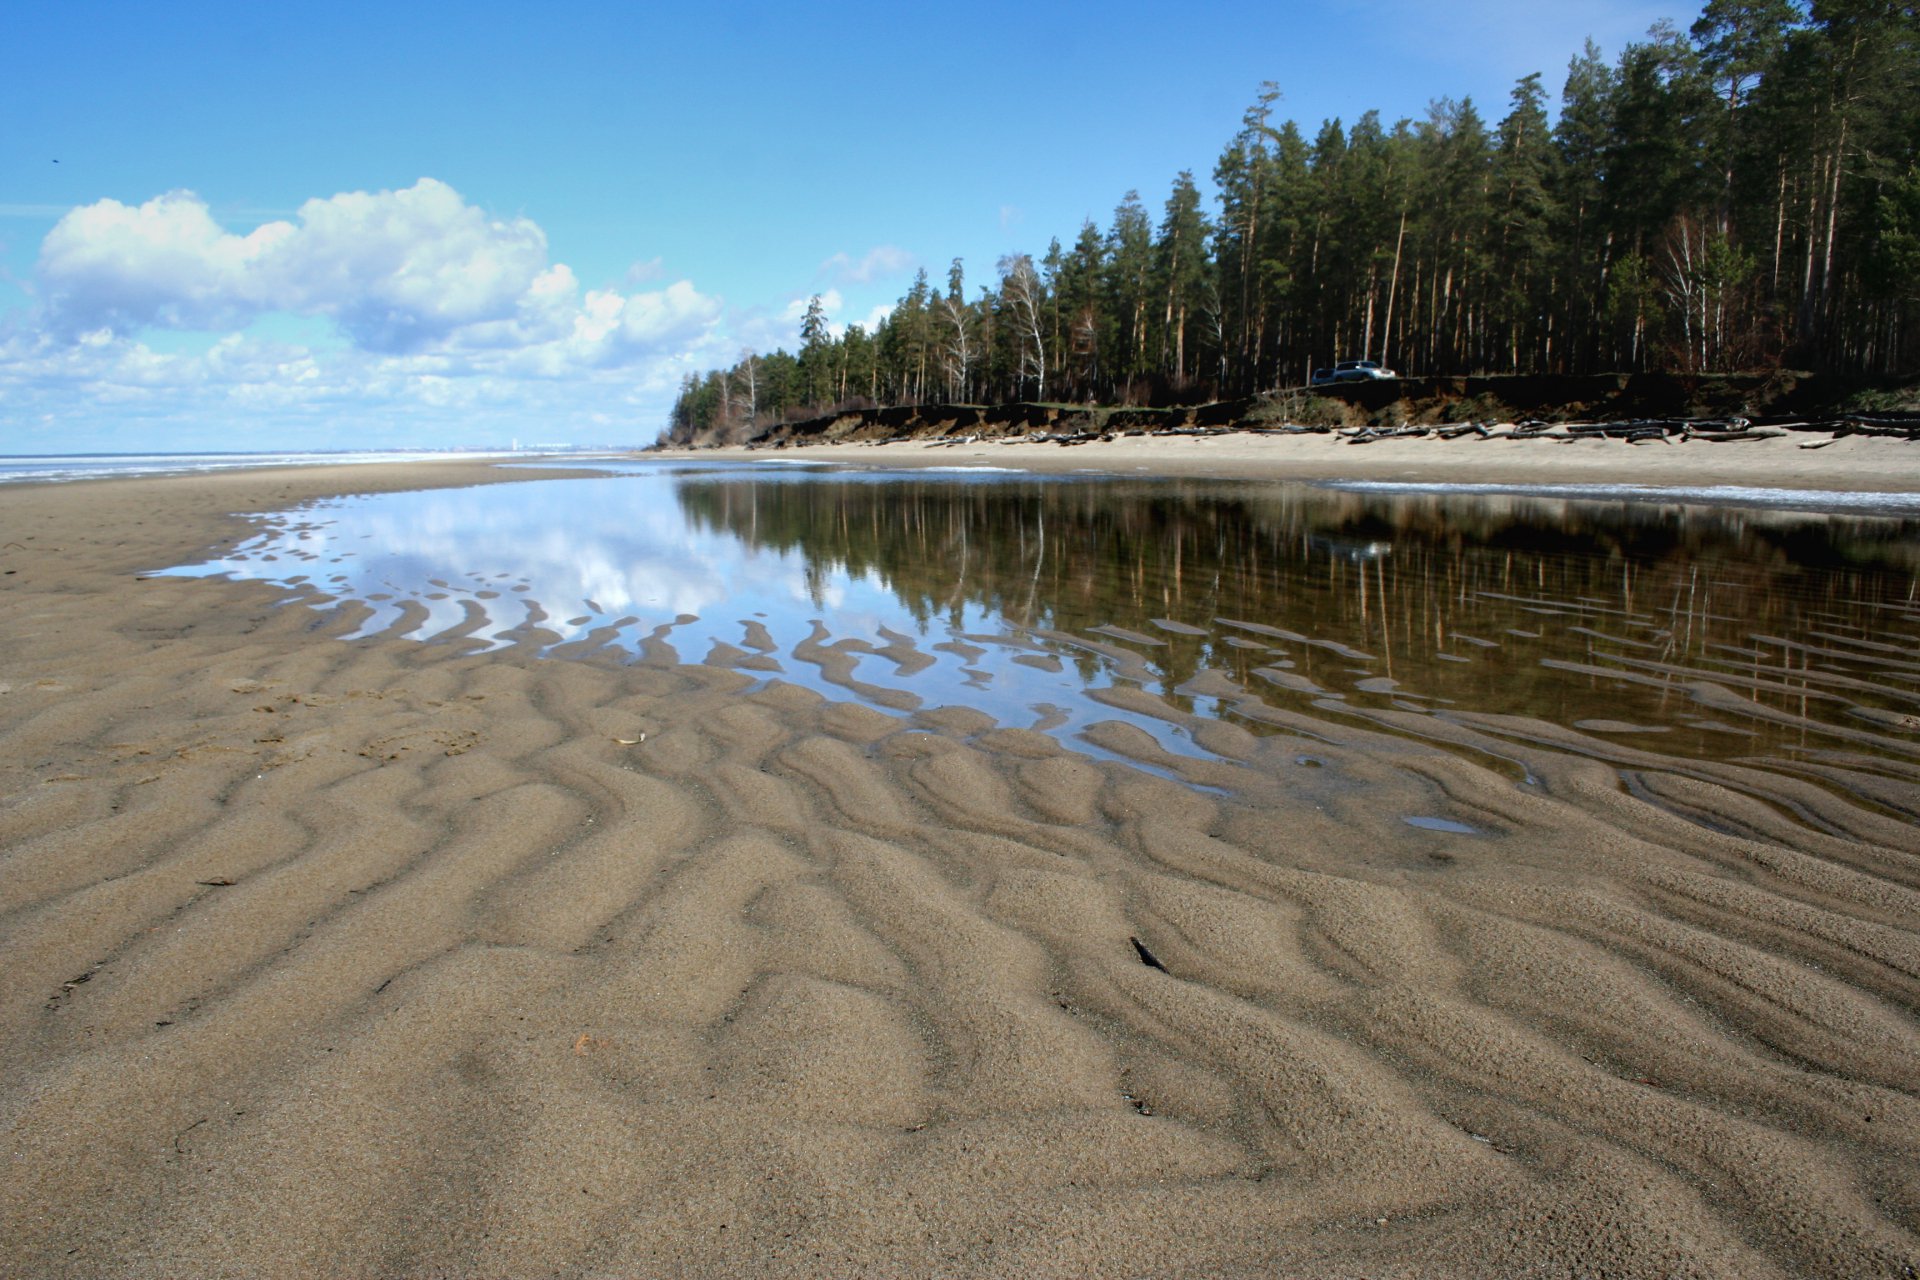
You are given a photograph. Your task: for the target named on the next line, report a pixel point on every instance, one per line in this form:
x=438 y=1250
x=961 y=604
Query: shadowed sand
x=379 y=957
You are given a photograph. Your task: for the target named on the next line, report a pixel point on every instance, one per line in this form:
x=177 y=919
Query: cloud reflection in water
x=621 y=557
x=1061 y=603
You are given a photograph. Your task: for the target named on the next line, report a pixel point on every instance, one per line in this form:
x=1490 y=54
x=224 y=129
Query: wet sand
x=383 y=958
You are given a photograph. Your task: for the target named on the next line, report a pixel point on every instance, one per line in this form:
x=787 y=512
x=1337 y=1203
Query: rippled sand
x=383 y=958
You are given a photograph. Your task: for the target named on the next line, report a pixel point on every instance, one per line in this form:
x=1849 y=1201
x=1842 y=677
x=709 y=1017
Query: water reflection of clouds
x=590 y=553
x=622 y=553
x=1123 y=583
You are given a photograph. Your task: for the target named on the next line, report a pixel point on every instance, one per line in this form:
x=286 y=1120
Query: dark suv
x=1351 y=371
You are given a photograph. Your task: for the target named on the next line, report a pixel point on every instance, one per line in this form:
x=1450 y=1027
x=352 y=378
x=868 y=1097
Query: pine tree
x=1129 y=287
x=1522 y=236
x=1180 y=271
x=1585 y=239
x=1081 y=276
x=1738 y=41
x=816 y=355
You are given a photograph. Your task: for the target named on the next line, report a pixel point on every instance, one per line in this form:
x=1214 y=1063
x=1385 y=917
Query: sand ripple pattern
x=385 y=958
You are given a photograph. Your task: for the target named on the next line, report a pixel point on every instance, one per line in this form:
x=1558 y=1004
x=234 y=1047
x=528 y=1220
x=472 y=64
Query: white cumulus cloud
x=878 y=263
x=449 y=316
x=166 y=263
x=400 y=272
x=397 y=270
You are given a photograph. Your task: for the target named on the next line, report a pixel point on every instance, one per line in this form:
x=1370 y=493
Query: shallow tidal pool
x=1608 y=624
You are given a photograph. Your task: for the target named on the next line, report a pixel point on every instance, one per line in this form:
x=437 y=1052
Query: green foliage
x=1745 y=193
x=1898 y=215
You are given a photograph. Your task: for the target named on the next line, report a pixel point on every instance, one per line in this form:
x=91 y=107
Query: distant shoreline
x=67 y=468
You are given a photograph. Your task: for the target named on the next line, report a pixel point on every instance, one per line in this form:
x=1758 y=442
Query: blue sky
x=353 y=225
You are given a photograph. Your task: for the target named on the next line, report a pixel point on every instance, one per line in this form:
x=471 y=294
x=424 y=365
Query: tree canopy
x=1745 y=194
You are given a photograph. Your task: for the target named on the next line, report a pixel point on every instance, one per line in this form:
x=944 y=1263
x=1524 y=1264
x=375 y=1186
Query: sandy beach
x=1850 y=464
x=373 y=957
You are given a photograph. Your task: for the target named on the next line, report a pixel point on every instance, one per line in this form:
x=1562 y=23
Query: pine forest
x=1744 y=195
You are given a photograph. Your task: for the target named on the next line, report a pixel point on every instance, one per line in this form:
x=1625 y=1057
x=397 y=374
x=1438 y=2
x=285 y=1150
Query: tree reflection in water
x=1702 y=632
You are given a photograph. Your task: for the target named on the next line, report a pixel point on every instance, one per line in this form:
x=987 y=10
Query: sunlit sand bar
x=1844 y=465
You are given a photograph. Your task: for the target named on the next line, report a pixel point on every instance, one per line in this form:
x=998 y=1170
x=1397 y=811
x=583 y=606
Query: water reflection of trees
x=1410 y=581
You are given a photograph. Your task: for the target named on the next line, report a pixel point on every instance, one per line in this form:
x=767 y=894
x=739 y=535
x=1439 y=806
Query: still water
x=1785 y=640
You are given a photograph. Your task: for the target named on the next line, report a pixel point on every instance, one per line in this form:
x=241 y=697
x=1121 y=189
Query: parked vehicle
x=1352 y=371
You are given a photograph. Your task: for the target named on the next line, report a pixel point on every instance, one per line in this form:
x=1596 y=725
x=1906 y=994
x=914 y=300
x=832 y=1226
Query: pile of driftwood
x=1041 y=437
x=1901 y=426
x=1637 y=431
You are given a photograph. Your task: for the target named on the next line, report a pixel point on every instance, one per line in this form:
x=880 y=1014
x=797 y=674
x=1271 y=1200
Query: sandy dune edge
x=380 y=958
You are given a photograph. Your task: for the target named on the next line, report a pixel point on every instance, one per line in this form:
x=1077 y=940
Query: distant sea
x=87 y=466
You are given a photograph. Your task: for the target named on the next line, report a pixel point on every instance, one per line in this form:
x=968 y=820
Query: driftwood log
x=1076 y=429
x=1633 y=431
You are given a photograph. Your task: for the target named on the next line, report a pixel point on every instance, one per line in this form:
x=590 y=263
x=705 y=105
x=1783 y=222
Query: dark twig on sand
x=1147 y=957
